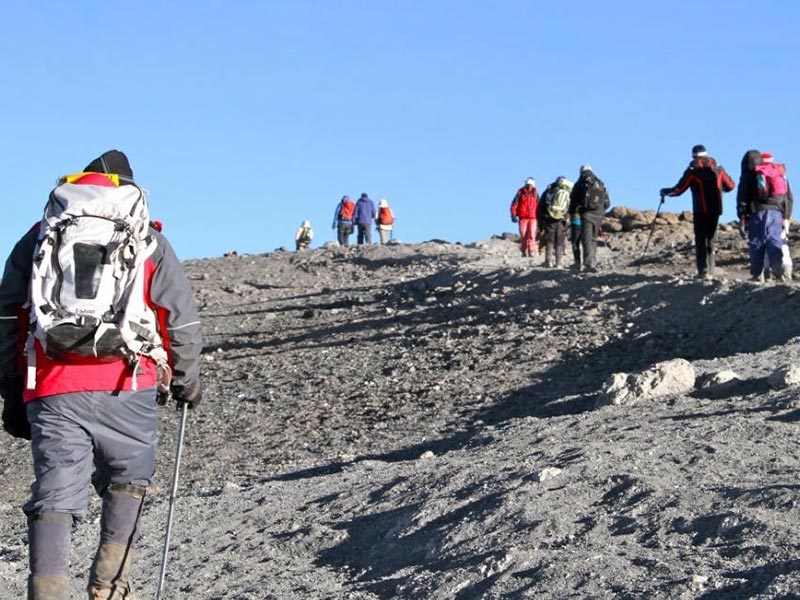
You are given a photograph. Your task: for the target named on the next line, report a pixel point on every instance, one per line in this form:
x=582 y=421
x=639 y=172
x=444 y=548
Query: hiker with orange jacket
x=708 y=181
x=343 y=220
x=384 y=221
x=524 y=207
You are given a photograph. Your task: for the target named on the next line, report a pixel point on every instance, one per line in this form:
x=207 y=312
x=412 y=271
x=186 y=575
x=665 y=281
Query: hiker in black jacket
x=589 y=199
x=708 y=181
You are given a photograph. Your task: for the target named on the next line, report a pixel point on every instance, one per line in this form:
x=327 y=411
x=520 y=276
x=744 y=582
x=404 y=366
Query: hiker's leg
x=126 y=439
x=774 y=243
x=589 y=243
x=700 y=249
x=559 y=238
x=756 y=242
x=711 y=222
x=62 y=462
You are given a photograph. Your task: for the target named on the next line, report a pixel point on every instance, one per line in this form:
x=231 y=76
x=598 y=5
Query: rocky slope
x=434 y=421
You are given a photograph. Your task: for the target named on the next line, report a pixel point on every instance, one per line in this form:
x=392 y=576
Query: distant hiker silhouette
x=363 y=217
x=384 y=222
x=343 y=220
x=303 y=236
x=553 y=216
x=589 y=200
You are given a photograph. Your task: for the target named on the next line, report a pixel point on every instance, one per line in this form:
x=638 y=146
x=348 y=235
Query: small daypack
x=87 y=285
x=385 y=216
x=558 y=204
x=771 y=181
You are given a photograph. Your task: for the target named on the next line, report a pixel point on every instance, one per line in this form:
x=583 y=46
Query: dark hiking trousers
x=70 y=435
x=705 y=226
x=364 y=234
x=575 y=234
x=343 y=232
x=589 y=243
x=554 y=235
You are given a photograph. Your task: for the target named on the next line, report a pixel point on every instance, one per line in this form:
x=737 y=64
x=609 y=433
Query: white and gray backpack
x=87 y=286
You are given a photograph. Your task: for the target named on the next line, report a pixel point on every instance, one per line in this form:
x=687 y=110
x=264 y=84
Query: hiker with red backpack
x=553 y=215
x=384 y=221
x=764 y=207
x=708 y=181
x=524 y=207
x=97 y=324
x=343 y=220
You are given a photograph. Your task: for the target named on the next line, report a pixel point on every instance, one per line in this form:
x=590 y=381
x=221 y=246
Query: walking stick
x=649 y=235
x=172 y=496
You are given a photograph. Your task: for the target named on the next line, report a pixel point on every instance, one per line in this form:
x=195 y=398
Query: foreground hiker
x=303 y=236
x=384 y=221
x=708 y=181
x=523 y=212
x=589 y=199
x=88 y=401
x=363 y=217
x=764 y=205
x=343 y=220
x=553 y=215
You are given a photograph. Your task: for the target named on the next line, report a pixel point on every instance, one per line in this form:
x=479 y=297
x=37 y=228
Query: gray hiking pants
x=72 y=433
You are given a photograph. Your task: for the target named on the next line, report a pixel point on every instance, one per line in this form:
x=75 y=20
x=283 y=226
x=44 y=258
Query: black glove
x=191 y=395
x=665 y=192
x=514 y=219
x=15 y=418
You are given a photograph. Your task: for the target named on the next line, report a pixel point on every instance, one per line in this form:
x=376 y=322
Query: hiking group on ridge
x=359 y=216
x=581 y=207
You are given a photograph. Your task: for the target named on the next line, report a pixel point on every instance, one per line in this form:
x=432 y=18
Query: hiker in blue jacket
x=363 y=218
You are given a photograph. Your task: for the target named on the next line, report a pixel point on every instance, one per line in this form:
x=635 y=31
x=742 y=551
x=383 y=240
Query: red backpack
x=771 y=178
x=385 y=216
x=347 y=210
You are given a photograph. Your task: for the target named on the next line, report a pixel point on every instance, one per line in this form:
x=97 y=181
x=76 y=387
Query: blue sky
x=244 y=118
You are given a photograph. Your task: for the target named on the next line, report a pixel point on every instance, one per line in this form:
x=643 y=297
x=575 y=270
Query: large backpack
x=771 y=181
x=596 y=195
x=347 y=210
x=558 y=203
x=87 y=284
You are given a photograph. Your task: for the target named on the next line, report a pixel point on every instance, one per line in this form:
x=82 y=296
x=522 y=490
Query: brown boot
x=109 y=578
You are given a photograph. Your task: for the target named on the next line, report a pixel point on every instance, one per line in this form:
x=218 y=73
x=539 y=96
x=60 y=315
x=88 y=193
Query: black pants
x=575 y=234
x=705 y=226
x=364 y=235
x=589 y=243
x=554 y=234
x=345 y=228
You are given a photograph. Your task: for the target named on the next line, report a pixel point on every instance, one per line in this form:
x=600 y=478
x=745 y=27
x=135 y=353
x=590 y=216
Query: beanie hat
x=766 y=157
x=364 y=195
x=586 y=167
x=109 y=162
x=699 y=150
x=530 y=181
x=383 y=203
x=345 y=198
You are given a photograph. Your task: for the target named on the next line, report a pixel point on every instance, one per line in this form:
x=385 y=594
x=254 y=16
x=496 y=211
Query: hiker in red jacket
x=523 y=211
x=93 y=421
x=708 y=181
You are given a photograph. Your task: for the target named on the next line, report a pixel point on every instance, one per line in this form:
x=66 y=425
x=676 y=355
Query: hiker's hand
x=665 y=192
x=191 y=395
x=514 y=219
x=15 y=418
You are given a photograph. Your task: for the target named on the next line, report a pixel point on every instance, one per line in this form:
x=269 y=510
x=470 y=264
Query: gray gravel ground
x=422 y=421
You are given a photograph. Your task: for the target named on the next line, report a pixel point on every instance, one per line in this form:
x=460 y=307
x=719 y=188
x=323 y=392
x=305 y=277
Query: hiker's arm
x=725 y=181
x=787 y=209
x=13 y=295
x=681 y=186
x=171 y=293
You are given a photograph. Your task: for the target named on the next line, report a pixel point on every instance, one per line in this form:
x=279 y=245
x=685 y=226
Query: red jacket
x=525 y=203
x=708 y=181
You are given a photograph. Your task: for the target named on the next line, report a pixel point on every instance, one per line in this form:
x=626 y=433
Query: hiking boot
x=757 y=278
x=109 y=578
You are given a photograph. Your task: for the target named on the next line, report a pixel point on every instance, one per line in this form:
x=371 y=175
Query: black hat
x=699 y=150
x=112 y=161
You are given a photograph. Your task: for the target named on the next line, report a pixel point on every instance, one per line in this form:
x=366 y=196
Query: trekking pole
x=652 y=225
x=172 y=496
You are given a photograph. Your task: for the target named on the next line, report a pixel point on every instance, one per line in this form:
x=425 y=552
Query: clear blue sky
x=244 y=118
